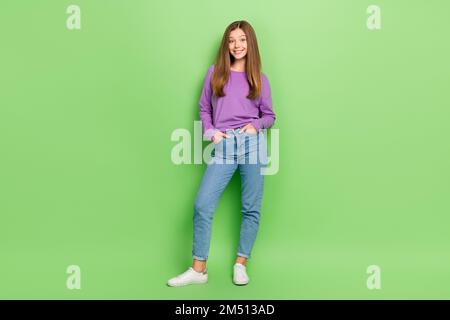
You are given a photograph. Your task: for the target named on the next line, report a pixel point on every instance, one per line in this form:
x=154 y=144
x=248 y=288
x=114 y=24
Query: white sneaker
x=188 y=277
x=240 y=276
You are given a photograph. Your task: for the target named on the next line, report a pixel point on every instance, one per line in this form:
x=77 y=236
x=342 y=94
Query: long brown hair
x=224 y=60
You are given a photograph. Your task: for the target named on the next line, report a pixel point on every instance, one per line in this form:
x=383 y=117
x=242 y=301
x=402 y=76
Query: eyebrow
x=238 y=37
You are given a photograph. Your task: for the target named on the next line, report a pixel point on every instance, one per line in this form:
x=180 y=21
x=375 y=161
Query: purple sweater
x=234 y=110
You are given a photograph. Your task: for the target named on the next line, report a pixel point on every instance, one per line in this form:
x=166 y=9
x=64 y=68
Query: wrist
x=256 y=125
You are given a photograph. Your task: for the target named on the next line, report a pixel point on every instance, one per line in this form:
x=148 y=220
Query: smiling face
x=237 y=43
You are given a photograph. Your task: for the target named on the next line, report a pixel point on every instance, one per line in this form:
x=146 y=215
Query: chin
x=240 y=56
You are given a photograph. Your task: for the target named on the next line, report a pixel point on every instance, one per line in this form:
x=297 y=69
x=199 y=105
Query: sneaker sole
x=186 y=284
x=240 y=283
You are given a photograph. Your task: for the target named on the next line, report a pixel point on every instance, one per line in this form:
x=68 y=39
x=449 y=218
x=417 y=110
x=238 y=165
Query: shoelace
x=241 y=271
x=185 y=273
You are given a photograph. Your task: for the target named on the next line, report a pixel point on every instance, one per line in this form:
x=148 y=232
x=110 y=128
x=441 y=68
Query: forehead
x=237 y=33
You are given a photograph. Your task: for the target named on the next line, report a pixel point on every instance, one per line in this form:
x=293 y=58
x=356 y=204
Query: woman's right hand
x=218 y=136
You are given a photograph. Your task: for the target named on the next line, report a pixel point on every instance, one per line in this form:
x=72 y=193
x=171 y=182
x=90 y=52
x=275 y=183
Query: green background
x=86 y=176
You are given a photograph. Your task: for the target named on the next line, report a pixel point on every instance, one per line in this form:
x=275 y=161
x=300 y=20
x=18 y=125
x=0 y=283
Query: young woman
x=235 y=109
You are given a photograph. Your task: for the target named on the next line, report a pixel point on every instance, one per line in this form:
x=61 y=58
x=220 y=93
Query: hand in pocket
x=249 y=128
x=218 y=136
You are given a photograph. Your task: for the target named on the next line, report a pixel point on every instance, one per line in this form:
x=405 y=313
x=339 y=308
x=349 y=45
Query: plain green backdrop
x=86 y=176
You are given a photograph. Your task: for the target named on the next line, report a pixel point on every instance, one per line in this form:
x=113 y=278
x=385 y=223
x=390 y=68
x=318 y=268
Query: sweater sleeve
x=206 y=111
x=267 y=116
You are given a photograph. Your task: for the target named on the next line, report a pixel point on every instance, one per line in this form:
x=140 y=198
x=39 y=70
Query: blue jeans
x=248 y=152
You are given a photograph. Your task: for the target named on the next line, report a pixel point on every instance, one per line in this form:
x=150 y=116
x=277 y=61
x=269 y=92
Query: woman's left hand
x=249 y=128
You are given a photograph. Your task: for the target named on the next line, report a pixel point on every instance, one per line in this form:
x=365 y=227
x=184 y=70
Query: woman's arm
x=206 y=108
x=265 y=107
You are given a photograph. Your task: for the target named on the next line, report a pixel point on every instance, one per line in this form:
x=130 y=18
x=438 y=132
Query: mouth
x=238 y=52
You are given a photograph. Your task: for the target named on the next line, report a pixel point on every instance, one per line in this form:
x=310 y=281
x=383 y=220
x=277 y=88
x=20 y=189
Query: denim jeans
x=248 y=152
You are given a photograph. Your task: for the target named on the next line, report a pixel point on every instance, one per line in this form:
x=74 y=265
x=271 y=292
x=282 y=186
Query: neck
x=238 y=65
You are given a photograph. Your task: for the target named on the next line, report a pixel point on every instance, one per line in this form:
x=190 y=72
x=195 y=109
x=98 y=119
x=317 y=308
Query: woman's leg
x=199 y=265
x=252 y=186
x=214 y=181
x=241 y=260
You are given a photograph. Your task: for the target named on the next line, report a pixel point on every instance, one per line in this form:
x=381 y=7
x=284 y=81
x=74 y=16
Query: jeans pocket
x=251 y=134
x=218 y=148
x=218 y=143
